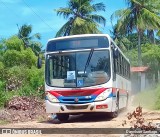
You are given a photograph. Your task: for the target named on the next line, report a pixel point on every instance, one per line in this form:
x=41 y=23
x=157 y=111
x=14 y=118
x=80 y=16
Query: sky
x=41 y=15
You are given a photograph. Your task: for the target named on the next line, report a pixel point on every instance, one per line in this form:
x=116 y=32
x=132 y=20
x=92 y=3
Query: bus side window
x=113 y=63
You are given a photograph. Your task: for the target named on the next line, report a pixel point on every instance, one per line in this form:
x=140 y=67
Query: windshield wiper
x=89 y=59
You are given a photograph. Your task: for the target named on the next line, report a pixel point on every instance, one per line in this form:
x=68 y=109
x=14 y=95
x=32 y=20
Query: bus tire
x=115 y=113
x=62 y=117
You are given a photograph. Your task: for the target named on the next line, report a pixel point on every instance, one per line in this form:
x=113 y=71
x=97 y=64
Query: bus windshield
x=78 y=69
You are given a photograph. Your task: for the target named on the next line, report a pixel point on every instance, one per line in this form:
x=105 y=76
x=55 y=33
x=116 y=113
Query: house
x=139 y=78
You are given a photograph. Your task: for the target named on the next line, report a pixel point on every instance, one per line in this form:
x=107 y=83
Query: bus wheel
x=115 y=113
x=62 y=117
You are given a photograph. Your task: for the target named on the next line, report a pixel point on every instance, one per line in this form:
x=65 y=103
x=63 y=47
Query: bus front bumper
x=100 y=106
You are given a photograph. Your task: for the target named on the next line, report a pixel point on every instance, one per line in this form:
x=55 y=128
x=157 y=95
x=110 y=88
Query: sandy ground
x=84 y=121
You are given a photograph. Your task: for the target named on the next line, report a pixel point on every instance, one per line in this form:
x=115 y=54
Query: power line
x=37 y=15
x=13 y=12
x=9 y=8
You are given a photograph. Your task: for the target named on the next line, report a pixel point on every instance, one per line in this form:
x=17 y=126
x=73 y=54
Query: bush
x=6 y=96
x=2 y=99
x=21 y=81
x=14 y=43
x=35 y=77
x=157 y=103
x=18 y=73
x=18 y=58
x=148 y=99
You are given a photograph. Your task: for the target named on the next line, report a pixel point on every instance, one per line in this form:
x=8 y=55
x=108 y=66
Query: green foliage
x=148 y=99
x=1 y=69
x=145 y=99
x=35 y=77
x=134 y=40
x=133 y=57
x=28 y=76
x=139 y=15
x=151 y=52
x=4 y=122
x=16 y=58
x=151 y=56
x=81 y=17
x=31 y=79
x=2 y=85
x=157 y=103
x=2 y=97
x=11 y=58
x=27 y=90
x=18 y=73
x=25 y=34
x=36 y=47
x=13 y=43
x=28 y=58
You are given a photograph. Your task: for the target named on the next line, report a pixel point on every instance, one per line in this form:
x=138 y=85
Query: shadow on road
x=87 y=117
x=92 y=117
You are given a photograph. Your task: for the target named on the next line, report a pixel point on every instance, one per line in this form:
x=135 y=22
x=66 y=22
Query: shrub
x=149 y=99
x=18 y=58
x=35 y=77
x=157 y=103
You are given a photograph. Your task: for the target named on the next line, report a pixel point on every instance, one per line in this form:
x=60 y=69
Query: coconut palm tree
x=81 y=16
x=25 y=33
x=140 y=15
x=120 y=38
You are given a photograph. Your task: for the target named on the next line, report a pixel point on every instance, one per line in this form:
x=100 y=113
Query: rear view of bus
x=81 y=75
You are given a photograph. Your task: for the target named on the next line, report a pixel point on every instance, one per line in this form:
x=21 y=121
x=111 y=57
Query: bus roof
x=76 y=36
x=89 y=35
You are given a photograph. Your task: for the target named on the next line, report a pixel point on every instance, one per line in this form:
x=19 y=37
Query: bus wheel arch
x=115 y=113
x=117 y=101
x=63 y=117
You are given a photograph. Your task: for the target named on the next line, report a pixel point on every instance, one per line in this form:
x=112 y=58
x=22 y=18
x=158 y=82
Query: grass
x=148 y=99
x=41 y=119
x=4 y=122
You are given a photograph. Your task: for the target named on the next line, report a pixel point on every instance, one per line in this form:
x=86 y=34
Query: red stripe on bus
x=81 y=92
x=85 y=92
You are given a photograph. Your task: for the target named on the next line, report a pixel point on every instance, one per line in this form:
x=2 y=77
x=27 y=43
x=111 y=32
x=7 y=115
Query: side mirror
x=39 y=63
x=115 y=53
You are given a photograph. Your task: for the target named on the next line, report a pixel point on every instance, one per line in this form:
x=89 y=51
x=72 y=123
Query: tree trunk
x=139 y=58
x=151 y=37
x=156 y=76
x=68 y=30
x=139 y=49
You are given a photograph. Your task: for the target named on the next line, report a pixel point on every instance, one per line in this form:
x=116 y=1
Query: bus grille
x=81 y=100
x=76 y=107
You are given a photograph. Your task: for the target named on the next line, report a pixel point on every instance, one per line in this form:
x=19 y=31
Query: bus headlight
x=52 y=98
x=104 y=95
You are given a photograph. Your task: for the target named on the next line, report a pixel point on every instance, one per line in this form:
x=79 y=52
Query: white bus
x=85 y=73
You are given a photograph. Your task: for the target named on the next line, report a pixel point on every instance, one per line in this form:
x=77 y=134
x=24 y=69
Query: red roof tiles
x=139 y=69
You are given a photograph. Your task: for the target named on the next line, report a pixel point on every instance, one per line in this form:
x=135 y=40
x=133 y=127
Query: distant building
x=140 y=81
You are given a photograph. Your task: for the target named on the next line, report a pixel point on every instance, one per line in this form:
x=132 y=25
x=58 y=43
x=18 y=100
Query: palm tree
x=139 y=16
x=24 y=33
x=81 y=17
x=121 y=39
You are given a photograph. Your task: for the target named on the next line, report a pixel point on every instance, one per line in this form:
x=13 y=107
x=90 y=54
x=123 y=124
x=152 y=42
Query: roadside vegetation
x=19 y=75
x=149 y=99
x=136 y=32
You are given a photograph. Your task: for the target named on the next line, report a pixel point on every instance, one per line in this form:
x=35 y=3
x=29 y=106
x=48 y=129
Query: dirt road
x=85 y=121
